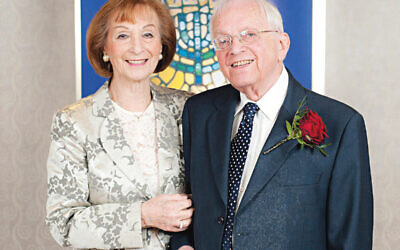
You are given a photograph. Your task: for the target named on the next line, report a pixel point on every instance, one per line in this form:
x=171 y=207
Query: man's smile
x=241 y=63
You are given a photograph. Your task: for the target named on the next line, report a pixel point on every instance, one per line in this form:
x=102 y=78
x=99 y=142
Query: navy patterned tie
x=239 y=148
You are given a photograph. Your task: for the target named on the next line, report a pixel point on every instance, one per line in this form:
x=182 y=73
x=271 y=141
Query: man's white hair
x=272 y=13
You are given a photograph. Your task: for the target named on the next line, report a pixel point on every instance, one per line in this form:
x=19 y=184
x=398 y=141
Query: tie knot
x=250 y=109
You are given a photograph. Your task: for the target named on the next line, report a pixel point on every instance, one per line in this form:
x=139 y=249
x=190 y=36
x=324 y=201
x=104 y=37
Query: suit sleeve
x=350 y=200
x=185 y=237
x=71 y=218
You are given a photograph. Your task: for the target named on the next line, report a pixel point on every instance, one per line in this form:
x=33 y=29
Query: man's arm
x=350 y=200
x=183 y=240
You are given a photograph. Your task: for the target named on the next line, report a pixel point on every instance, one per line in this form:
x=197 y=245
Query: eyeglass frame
x=239 y=37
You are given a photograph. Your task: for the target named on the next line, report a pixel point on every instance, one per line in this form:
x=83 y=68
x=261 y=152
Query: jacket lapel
x=268 y=165
x=219 y=138
x=112 y=137
x=168 y=143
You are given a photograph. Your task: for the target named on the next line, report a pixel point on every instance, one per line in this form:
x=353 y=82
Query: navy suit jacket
x=296 y=198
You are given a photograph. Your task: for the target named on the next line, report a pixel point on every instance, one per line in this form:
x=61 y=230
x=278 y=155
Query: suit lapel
x=219 y=137
x=268 y=165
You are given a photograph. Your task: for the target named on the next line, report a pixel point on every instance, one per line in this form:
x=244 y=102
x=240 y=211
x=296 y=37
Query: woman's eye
x=122 y=36
x=148 y=35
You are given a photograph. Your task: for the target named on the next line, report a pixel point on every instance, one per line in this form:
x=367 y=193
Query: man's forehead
x=239 y=15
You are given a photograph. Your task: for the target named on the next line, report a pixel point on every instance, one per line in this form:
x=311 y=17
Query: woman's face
x=134 y=48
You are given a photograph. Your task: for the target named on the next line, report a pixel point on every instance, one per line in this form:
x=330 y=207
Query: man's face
x=256 y=65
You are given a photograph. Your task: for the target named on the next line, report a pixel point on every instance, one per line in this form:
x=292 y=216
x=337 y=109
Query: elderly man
x=270 y=164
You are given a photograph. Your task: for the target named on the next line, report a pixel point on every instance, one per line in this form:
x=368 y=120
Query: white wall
x=363 y=69
x=36 y=77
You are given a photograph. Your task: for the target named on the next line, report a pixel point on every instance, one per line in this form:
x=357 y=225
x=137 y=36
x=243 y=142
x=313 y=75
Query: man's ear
x=285 y=44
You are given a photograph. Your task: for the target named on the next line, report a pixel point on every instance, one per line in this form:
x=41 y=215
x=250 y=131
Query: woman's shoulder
x=167 y=94
x=85 y=107
x=78 y=108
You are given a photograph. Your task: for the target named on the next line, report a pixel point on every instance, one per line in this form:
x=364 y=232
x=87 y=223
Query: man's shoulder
x=334 y=113
x=210 y=96
x=328 y=104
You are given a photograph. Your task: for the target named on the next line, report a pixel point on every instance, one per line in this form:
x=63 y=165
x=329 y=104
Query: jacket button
x=221 y=220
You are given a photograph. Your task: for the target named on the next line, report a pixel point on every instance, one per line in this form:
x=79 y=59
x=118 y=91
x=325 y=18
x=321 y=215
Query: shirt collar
x=272 y=101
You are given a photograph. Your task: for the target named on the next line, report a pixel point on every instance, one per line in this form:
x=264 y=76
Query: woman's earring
x=106 y=58
x=160 y=57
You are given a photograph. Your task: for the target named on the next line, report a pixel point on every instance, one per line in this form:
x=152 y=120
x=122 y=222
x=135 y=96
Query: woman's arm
x=72 y=219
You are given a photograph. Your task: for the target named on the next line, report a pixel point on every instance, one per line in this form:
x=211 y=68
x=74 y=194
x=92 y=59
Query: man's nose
x=236 y=45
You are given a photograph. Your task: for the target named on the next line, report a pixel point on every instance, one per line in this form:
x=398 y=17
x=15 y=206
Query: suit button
x=221 y=220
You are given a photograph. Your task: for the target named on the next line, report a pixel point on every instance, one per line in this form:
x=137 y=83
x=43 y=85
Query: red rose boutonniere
x=307 y=128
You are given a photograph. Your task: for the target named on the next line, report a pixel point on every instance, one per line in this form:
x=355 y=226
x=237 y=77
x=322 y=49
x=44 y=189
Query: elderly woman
x=115 y=167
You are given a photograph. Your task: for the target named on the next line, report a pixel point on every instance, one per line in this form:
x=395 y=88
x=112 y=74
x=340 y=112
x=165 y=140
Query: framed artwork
x=195 y=67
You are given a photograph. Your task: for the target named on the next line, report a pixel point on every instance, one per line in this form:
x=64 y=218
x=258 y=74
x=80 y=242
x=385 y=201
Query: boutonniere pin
x=307 y=128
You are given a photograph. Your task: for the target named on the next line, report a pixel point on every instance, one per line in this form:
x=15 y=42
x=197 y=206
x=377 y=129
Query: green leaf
x=325 y=145
x=289 y=128
x=323 y=151
x=300 y=141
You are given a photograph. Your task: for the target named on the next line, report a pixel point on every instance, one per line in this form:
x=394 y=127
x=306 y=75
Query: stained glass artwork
x=195 y=67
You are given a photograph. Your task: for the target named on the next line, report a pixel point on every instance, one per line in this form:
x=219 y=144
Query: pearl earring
x=106 y=58
x=160 y=57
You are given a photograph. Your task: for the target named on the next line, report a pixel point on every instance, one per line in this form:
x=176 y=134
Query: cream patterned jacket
x=94 y=189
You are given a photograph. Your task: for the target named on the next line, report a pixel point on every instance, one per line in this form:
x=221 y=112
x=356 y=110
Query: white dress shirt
x=264 y=120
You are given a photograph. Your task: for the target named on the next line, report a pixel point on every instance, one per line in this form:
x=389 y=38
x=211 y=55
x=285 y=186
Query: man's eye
x=223 y=40
x=122 y=36
x=250 y=34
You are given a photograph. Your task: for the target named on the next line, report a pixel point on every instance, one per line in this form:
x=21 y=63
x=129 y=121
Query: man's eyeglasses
x=246 y=36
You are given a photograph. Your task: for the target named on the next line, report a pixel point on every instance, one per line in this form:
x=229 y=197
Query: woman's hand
x=168 y=212
x=186 y=247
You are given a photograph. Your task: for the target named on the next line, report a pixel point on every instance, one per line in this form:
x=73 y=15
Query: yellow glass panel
x=174 y=3
x=205 y=50
x=191 y=49
x=208 y=62
x=185 y=87
x=203 y=19
x=182 y=44
x=190 y=34
x=203 y=2
x=167 y=74
x=189 y=78
x=156 y=81
x=190 y=9
x=205 y=9
x=178 y=81
x=176 y=57
x=204 y=31
x=198 y=88
x=189 y=2
x=174 y=12
x=187 y=61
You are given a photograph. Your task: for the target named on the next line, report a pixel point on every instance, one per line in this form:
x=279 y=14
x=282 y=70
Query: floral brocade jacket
x=95 y=190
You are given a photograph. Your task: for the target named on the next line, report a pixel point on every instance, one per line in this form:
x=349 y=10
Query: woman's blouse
x=140 y=132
